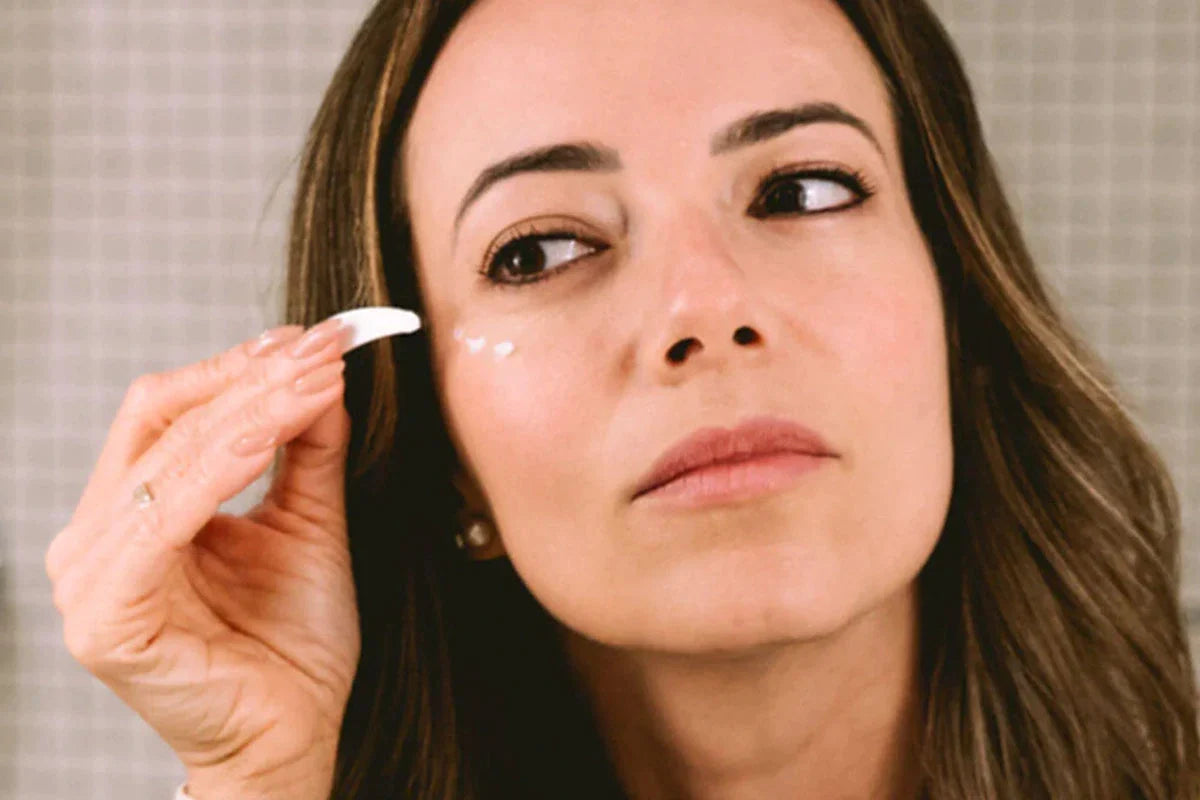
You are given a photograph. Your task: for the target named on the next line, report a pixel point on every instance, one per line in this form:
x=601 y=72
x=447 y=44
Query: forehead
x=653 y=80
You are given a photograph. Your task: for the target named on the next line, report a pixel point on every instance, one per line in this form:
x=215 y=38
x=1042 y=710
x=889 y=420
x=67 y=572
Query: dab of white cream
x=477 y=343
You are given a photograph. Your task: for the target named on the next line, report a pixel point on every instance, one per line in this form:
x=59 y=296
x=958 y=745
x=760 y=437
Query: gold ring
x=142 y=495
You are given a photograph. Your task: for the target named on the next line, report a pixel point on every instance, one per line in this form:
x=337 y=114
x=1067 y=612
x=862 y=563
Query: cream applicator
x=367 y=324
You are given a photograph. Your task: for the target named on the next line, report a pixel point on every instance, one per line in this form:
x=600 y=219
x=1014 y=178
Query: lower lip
x=733 y=481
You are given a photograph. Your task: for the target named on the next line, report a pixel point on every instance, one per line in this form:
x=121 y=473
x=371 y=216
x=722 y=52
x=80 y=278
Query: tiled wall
x=146 y=155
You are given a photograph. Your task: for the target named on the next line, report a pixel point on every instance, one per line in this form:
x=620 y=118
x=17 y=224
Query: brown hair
x=1053 y=652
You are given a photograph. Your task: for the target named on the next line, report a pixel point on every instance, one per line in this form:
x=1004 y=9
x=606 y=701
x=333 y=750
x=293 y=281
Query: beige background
x=146 y=162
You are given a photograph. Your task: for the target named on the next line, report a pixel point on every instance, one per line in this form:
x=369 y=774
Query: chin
x=728 y=613
x=755 y=620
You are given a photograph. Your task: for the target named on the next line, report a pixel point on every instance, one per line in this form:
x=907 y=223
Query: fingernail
x=320 y=378
x=317 y=337
x=271 y=339
x=253 y=443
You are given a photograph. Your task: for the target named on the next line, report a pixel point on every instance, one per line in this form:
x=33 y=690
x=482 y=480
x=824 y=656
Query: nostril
x=744 y=335
x=679 y=350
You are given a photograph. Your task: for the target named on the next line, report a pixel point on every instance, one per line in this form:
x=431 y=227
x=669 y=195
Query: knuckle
x=258 y=415
x=258 y=376
x=186 y=428
x=142 y=393
x=54 y=560
x=188 y=435
x=61 y=593
x=79 y=635
x=211 y=368
x=201 y=468
x=176 y=470
x=220 y=369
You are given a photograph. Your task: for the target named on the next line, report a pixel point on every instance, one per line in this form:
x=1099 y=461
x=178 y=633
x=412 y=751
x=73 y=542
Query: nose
x=711 y=317
x=690 y=346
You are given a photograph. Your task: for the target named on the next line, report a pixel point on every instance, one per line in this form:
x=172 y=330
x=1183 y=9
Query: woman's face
x=560 y=393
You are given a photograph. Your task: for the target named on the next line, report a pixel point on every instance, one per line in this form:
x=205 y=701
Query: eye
x=811 y=191
x=529 y=255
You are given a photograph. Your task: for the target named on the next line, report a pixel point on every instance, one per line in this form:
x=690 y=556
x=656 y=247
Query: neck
x=832 y=717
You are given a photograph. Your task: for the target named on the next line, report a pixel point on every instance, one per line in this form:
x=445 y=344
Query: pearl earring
x=477 y=535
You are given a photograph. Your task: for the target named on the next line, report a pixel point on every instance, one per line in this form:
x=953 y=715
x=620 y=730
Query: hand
x=235 y=637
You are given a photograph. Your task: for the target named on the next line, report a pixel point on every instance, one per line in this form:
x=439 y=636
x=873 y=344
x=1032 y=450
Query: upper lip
x=756 y=436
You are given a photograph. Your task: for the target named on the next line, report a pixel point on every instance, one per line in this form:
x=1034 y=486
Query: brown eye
x=535 y=257
x=811 y=192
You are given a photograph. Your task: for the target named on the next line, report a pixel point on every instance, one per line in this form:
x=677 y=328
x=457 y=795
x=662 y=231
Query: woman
x=772 y=468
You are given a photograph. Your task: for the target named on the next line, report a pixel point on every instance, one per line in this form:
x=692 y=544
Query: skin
x=235 y=637
x=765 y=647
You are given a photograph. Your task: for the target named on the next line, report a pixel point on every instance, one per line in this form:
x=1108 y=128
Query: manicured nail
x=253 y=443
x=320 y=378
x=316 y=338
x=271 y=339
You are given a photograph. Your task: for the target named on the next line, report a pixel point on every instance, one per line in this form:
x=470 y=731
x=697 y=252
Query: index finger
x=155 y=400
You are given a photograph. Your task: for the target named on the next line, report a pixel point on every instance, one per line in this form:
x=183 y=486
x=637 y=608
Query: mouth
x=719 y=465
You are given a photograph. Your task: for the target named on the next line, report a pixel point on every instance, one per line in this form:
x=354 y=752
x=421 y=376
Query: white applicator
x=375 y=322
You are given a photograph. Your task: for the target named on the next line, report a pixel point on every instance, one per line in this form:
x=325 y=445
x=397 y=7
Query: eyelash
x=852 y=179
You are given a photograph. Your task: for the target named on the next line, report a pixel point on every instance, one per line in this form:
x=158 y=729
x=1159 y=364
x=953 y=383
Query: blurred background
x=147 y=158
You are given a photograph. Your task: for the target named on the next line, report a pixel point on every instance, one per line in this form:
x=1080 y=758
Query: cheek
x=518 y=416
x=894 y=358
x=879 y=317
x=893 y=342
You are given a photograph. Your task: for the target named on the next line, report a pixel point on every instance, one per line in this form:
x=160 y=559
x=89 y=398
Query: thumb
x=311 y=474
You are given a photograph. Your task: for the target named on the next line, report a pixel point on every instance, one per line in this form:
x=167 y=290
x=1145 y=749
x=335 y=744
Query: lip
x=720 y=463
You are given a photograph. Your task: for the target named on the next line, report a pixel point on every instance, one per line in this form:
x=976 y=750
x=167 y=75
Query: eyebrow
x=592 y=157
